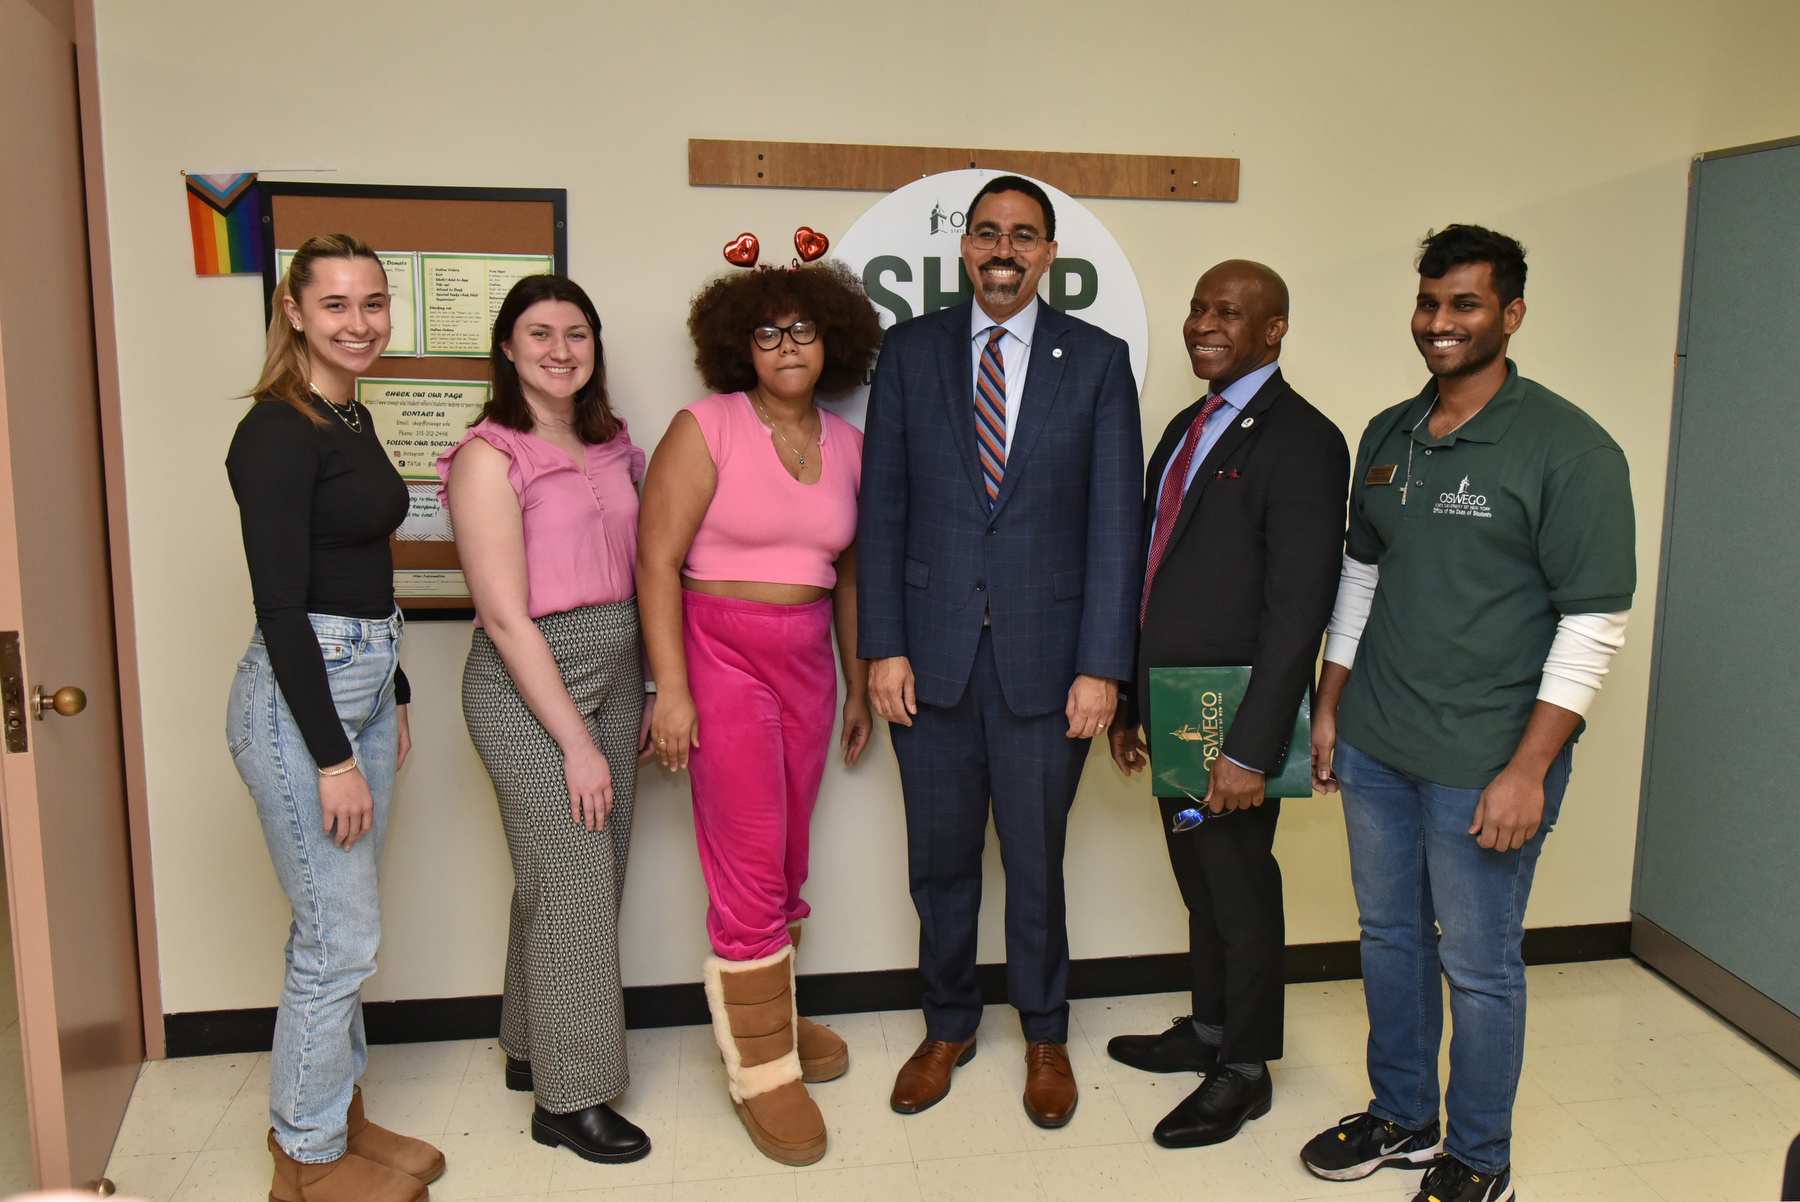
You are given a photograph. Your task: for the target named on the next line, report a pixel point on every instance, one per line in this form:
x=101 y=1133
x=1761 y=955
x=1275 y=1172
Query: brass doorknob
x=67 y=701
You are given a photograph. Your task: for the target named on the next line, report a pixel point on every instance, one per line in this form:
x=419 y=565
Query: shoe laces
x=1041 y=1055
x=1447 y=1174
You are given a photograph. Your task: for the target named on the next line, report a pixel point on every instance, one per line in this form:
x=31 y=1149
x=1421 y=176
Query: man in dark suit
x=1244 y=533
x=998 y=570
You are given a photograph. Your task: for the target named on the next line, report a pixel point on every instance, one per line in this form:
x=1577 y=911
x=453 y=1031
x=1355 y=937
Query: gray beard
x=1000 y=295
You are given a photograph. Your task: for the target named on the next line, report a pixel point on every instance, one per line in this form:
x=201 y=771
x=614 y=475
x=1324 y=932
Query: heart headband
x=743 y=250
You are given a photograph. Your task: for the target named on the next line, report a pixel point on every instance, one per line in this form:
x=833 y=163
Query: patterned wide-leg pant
x=563 y=1009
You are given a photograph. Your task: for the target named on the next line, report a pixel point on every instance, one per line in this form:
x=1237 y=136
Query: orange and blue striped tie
x=990 y=414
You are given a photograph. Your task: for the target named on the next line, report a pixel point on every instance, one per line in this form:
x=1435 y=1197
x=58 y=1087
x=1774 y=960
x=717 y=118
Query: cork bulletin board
x=502 y=232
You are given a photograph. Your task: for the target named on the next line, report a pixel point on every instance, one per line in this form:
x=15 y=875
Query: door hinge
x=12 y=691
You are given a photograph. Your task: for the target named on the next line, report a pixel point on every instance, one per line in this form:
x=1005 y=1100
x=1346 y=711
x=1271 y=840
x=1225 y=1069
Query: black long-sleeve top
x=317 y=506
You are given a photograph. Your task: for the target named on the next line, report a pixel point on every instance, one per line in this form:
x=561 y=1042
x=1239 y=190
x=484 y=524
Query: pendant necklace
x=344 y=415
x=799 y=452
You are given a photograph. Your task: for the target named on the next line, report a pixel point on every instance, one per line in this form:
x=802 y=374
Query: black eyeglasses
x=769 y=337
x=1022 y=240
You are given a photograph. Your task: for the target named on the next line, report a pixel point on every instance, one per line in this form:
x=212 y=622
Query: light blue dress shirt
x=1237 y=394
x=1015 y=353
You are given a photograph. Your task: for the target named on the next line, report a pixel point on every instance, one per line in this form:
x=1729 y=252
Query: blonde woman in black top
x=317 y=717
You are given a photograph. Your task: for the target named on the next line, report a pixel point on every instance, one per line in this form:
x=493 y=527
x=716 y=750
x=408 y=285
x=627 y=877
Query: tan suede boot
x=824 y=1056
x=752 y=1003
x=414 y=1157
x=349 y=1178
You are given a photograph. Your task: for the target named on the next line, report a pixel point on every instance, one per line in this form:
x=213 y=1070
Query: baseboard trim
x=212 y=1032
x=1753 y=1012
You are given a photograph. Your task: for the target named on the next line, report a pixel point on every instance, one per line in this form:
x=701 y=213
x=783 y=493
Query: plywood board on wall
x=863 y=168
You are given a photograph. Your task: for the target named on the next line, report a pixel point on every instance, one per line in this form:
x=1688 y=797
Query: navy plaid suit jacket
x=1057 y=562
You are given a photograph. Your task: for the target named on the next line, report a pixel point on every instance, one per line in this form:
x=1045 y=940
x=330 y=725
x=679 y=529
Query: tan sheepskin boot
x=752 y=1003
x=414 y=1157
x=349 y=1178
x=824 y=1056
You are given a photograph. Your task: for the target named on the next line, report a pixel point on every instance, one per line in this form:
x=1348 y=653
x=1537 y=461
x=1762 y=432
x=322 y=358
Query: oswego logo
x=1462 y=503
x=905 y=249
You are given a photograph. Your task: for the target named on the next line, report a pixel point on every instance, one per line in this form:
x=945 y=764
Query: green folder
x=1190 y=711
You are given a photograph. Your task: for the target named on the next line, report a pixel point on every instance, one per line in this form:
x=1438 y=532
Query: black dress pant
x=1237 y=934
x=956 y=761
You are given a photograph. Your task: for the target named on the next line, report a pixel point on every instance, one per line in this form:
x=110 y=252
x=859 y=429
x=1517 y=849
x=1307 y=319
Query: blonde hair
x=287 y=368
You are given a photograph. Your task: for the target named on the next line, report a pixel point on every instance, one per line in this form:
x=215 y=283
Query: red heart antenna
x=743 y=250
x=810 y=243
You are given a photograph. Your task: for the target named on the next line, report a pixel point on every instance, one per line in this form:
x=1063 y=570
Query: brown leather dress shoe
x=925 y=1078
x=1050 y=1094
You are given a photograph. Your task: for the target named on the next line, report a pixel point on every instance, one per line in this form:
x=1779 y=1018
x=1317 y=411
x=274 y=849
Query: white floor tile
x=869 y=1183
x=1005 y=1177
x=1081 y=1174
x=153 y=1178
x=197 y=1075
x=1631 y=1090
x=1643 y=1130
x=227 y=1175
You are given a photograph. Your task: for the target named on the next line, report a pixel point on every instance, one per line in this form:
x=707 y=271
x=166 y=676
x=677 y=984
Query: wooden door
x=62 y=780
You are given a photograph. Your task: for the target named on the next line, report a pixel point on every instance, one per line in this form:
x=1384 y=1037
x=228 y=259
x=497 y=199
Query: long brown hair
x=595 y=422
x=287 y=369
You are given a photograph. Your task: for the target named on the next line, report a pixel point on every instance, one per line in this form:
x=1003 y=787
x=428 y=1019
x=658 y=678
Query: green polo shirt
x=1501 y=527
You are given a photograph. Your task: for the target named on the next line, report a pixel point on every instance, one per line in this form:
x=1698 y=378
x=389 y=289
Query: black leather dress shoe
x=598 y=1133
x=1216 y=1111
x=518 y=1076
x=1177 y=1050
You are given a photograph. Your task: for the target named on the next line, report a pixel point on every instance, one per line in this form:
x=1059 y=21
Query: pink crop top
x=763 y=524
x=580 y=523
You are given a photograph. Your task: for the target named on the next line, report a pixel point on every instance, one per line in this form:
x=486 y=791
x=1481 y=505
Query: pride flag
x=225 y=213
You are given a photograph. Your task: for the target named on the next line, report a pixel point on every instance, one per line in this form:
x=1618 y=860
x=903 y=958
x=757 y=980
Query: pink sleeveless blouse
x=763 y=524
x=580 y=520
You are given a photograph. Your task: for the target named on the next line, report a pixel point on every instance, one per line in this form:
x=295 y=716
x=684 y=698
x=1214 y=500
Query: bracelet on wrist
x=650 y=687
x=339 y=771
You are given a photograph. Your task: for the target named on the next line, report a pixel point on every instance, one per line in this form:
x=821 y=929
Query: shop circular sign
x=907 y=249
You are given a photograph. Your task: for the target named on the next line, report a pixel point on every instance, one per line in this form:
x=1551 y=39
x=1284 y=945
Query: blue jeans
x=1431 y=899
x=320 y=1050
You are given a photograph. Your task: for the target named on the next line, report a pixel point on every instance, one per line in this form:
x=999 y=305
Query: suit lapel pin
x=1057 y=353
x=1232 y=474
x=1247 y=422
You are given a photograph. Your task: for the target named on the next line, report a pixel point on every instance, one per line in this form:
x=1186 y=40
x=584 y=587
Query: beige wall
x=1359 y=126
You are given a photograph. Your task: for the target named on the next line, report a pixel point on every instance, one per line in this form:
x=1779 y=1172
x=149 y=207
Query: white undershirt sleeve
x=1355 y=597
x=1579 y=658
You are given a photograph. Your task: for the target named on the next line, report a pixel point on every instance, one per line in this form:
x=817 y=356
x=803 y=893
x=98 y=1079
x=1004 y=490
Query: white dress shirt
x=1015 y=352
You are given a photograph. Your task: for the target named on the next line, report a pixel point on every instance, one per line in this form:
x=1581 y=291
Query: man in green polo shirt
x=1489 y=565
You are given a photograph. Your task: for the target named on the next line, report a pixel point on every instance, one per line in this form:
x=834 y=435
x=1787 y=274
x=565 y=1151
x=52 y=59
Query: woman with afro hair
x=746 y=560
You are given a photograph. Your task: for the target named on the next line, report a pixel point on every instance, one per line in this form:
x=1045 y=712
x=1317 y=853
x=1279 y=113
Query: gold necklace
x=344 y=415
x=799 y=453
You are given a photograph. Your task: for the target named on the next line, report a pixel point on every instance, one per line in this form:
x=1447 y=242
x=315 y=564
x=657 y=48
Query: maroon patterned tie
x=1174 y=488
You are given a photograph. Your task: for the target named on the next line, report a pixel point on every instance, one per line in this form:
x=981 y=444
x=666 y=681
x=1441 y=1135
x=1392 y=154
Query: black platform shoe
x=518 y=1076
x=598 y=1133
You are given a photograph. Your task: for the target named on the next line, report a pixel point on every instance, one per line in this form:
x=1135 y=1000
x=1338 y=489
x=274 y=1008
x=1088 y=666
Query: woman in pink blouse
x=542 y=499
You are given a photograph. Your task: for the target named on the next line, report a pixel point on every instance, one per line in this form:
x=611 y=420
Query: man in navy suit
x=999 y=562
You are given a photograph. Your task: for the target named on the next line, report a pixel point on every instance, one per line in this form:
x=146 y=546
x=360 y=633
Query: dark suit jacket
x=1251 y=571
x=1058 y=562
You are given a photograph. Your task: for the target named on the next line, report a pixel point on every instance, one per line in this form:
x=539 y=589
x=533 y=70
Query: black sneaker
x=1450 y=1180
x=1177 y=1050
x=1362 y=1143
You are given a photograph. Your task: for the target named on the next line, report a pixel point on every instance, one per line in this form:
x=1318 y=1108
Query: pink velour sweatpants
x=764 y=684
